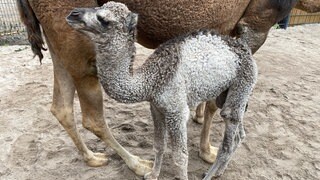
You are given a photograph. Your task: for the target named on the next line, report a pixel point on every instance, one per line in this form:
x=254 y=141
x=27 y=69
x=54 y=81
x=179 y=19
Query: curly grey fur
x=180 y=74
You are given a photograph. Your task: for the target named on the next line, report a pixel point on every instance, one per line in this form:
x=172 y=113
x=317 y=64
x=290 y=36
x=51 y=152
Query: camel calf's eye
x=103 y=22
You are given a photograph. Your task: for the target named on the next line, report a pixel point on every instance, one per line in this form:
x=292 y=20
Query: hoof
x=210 y=155
x=198 y=120
x=195 y=118
x=149 y=176
x=213 y=174
x=204 y=175
x=96 y=159
x=140 y=166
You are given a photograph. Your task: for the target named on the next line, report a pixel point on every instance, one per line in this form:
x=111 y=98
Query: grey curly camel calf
x=180 y=74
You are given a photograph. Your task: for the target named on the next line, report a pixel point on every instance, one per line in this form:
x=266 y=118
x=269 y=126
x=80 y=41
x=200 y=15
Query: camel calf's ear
x=131 y=21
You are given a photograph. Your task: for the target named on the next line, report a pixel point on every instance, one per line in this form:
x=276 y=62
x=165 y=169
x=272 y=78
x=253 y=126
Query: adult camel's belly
x=160 y=20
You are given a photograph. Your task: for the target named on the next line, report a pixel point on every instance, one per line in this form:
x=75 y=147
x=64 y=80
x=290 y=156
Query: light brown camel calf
x=74 y=58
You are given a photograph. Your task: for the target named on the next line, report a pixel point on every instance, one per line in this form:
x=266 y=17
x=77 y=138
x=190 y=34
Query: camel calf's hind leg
x=231 y=141
x=62 y=109
x=232 y=113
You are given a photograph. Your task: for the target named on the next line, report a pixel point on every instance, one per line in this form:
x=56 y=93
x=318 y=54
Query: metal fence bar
x=9 y=18
x=12 y=31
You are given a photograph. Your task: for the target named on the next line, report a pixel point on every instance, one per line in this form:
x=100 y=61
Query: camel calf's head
x=104 y=23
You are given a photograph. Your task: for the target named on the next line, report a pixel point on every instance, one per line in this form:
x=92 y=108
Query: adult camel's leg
x=199 y=116
x=71 y=53
x=91 y=101
x=62 y=109
x=207 y=152
x=159 y=143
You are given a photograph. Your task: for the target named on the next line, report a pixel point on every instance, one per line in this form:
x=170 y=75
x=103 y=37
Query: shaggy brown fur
x=310 y=6
x=74 y=58
x=33 y=28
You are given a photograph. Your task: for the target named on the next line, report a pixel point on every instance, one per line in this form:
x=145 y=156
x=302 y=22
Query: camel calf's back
x=205 y=64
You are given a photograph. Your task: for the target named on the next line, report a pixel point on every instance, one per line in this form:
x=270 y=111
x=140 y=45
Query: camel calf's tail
x=33 y=27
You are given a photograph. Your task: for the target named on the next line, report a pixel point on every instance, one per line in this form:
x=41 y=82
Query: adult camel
x=73 y=56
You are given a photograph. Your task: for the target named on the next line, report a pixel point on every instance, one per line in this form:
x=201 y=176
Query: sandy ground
x=282 y=122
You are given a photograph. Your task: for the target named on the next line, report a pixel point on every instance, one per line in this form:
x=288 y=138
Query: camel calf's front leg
x=160 y=142
x=177 y=129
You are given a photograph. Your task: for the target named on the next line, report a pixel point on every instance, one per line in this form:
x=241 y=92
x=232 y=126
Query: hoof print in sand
x=127 y=128
x=24 y=151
